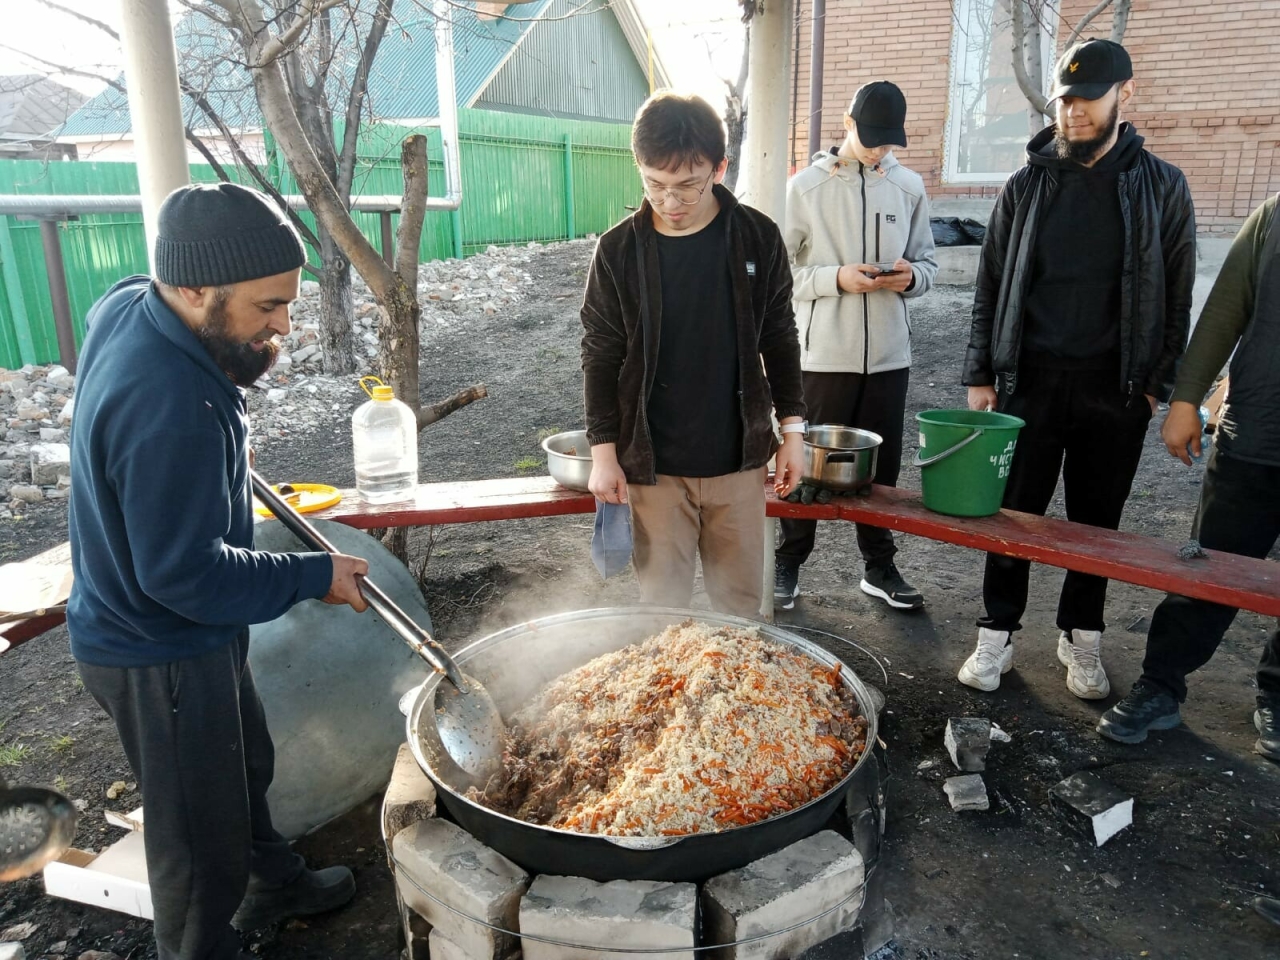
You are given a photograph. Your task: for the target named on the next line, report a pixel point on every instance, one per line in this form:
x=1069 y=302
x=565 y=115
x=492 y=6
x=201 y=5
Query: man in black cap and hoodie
x=1081 y=313
x=162 y=598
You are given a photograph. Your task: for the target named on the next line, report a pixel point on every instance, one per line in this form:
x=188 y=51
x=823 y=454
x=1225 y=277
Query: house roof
x=33 y=106
x=402 y=84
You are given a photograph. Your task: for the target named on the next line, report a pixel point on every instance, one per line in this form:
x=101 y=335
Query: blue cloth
x=611 y=542
x=161 y=514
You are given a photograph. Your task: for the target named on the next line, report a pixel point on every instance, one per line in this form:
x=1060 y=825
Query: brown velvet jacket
x=622 y=316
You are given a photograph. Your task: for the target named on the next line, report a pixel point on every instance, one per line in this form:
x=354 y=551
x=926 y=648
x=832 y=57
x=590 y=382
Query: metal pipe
x=57 y=273
x=817 y=46
x=70 y=205
x=155 y=109
x=447 y=107
x=766 y=147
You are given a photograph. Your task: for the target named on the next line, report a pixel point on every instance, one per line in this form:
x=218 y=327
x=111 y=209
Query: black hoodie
x=1073 y=301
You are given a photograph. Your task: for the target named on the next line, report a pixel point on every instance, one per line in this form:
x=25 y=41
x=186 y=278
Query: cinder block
x=801 y=882
x=968 y=740
x=470 y=881
x=967 y=793
x=1103 y=809
x=410 y=797
x=636 y=914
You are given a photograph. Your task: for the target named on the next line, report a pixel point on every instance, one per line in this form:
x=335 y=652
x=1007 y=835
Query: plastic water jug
x=384 y=435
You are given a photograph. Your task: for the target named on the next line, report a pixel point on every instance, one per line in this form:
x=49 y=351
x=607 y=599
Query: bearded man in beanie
x=162 y=598
x=1080 y=315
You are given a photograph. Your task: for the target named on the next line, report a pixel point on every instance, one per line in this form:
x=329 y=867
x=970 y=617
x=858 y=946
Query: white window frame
x=962 y=11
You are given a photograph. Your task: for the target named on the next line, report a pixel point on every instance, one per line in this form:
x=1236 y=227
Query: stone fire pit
x=461 y=900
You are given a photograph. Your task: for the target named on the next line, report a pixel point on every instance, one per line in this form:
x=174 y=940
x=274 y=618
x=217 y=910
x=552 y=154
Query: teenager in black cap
x=1081 y=312
x=857 y=231
x=162 y=598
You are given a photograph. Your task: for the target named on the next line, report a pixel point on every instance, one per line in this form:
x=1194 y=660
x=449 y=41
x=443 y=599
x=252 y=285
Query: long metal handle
x=408 y=629
x=929 y=461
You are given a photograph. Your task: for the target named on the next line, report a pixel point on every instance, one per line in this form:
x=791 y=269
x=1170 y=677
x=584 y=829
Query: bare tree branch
x=104 y=27
x=355 y=100
x=279 y=44
x=1034 y=96
x=438 y=411
x=1087 y=19
x=413 y=208
x=69 y=71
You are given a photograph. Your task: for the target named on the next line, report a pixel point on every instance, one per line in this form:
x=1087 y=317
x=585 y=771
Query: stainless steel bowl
x=840 y=458
x=571 y=470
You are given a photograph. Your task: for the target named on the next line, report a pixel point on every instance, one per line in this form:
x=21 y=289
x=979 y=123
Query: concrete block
x=416 y=932
x=957 y=266
x=410 y=797
x=967 y=793
x=12 y=951
x=968 y=740
x=800 y=882
x=637 y=914
x=442 y=948
x=49 y=461
x=467 y=878
x=1101 y=808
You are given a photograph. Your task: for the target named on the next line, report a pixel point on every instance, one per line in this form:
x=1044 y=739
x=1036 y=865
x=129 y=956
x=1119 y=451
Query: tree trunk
x=1034 y=61
x=1120 y=20
x=735 y=117
x=337 y=308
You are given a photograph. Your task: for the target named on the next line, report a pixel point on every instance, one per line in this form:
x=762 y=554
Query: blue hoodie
x=161 y=516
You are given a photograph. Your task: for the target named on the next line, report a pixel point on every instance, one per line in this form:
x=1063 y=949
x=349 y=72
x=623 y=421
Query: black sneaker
x=786 y=584
x=314 y=891
x=1146 y=707
x=887 y=584
x=1267 y=719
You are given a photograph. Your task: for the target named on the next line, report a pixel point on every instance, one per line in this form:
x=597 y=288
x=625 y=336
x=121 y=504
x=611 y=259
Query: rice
x=697 y=729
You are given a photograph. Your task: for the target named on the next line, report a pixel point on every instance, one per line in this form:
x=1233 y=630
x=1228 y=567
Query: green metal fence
x=523 y=178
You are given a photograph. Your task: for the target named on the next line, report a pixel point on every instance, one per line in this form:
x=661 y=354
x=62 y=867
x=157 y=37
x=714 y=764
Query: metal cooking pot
x=840 y=458
x=516 y=662
x=571 y=470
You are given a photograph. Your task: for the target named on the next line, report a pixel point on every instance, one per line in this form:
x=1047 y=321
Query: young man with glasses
x=858 y=232
x=684 y=301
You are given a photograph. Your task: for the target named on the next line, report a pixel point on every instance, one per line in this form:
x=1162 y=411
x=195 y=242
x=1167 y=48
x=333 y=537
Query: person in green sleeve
x=1239 y=512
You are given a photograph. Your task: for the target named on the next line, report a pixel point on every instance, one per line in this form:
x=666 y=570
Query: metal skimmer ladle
x=470 y=726
x=36 y=826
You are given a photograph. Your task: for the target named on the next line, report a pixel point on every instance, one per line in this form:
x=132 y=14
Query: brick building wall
x=1208 y=97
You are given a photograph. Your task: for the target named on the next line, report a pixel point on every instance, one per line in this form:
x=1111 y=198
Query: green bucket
x=964 y=460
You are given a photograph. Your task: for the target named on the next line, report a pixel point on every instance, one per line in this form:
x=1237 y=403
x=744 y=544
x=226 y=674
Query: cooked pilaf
x=695 y=730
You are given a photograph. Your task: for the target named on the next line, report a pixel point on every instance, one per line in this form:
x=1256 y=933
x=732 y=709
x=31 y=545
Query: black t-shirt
x=1073 y=299
x=694 y=411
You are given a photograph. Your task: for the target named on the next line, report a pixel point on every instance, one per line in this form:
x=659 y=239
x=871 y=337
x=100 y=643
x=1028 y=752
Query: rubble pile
x=295 y=398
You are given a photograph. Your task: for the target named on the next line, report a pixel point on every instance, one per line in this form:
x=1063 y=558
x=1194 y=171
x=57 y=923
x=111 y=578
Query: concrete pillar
x=765 y=149
x=151 y=76
x=764 y=154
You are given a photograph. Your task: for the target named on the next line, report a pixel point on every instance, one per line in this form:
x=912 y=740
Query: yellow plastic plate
x=306 y=498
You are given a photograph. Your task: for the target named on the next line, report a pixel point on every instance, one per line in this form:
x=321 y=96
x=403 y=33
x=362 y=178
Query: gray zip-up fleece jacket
x=832 y=208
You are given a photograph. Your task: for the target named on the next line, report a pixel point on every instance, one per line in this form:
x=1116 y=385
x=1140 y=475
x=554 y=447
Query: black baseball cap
x=880 y=111
x=1090 y=68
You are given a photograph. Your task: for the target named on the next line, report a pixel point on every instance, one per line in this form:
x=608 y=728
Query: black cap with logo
x=880 y=111
x=1091 y=68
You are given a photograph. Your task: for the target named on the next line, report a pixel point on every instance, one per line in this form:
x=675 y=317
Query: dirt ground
x=1017 y=881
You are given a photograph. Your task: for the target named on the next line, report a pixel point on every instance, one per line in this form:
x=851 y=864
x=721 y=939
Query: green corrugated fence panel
x=513 y=192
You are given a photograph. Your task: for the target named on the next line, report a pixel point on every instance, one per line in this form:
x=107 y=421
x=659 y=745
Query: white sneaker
x=1085 y=676
x=992 y=657
x=1064 y=649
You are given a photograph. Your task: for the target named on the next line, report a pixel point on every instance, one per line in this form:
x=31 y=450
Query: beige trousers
x=721 y=518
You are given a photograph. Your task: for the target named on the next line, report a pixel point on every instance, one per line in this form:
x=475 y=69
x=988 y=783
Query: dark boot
x=1146 y=707
x=313 y=891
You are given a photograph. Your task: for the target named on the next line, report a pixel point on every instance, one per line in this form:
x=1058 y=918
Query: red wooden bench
x=1129 y=557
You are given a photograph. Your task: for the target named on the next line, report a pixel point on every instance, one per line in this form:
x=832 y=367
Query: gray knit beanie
x=211 y=235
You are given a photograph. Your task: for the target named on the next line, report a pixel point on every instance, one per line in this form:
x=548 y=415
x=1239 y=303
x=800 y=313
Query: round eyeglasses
x=686 y=196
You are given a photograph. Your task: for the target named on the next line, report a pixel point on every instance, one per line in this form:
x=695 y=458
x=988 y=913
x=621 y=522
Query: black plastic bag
x=955 y=232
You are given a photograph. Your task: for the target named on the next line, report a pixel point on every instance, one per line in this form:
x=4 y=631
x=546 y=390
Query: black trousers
x=1239 y=513
x=833 y=398
x=197 y=740
x=1082 y=427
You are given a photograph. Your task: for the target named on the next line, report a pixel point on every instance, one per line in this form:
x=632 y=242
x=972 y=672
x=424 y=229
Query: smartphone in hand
x=883 y=269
